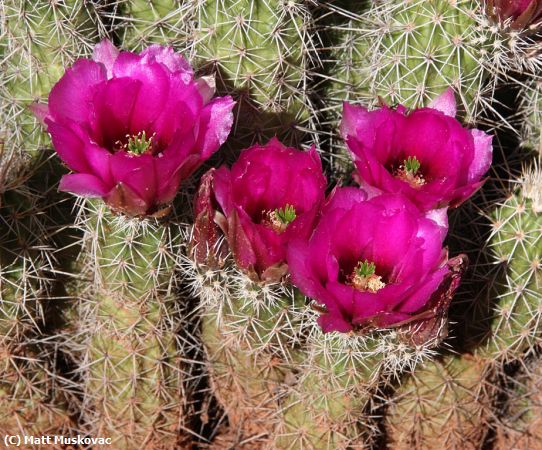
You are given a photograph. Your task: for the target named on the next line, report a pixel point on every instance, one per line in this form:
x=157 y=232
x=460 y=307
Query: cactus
x=251 y=337
x=516 y=242
x=132 y=359
x=326 y=407
x=519 y=427
x=139 y=23
x=104 y=345
x=41 y=39
x=531 y=103
x=346 y=55
x=282 y=382
x=261 y=53
x=32 y=399
x=445 y=404
x=419 y=48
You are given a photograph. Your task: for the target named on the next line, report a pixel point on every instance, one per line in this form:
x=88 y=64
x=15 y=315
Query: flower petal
x=71 y=96
x=445 y=103
x=353 y=117
x=106 y=53
x=153 y=93
x=69 y=146
x=83 y=184
x=483 y=155
x=172 y=60
x=215 y=125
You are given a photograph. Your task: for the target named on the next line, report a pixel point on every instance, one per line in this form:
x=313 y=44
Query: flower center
x=409 y=172
x=279 y=219
x=365 y=279
x=137 y=144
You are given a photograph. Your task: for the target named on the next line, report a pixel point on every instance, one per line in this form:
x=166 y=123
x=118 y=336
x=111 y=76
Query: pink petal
x=333 y=322
x=445 y=103
x=440 y=217
x=483 y=155
x=106 y=53
x=39 y=110
x=69 y=146
x=352 y=118
x=222 y=189
x=215 y=125
x=83 y=184
x=168 y=57
x=240 y=242
x=423 y=292
x=206 y=87
x=99 y=161
x=143 y=182
x=180 y=115
x=72 y=95
x=153 y=93
x=114 y=103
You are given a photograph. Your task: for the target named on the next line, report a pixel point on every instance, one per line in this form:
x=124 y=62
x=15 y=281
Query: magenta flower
x=425 y=154
x=517 y=14
x=271 y=195
x=372 y=262
x=132 y=126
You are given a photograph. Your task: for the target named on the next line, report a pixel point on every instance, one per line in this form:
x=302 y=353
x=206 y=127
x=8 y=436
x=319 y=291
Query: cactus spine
x=347 y=60
x=31 y=391
x=420 y=48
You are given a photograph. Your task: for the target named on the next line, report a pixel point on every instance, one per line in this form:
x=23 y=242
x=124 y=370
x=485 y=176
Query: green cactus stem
x=132 y=364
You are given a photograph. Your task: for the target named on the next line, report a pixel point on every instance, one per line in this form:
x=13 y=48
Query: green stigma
x=285 y=215
x=138 y=144
x=365 y=269
x=412 y=165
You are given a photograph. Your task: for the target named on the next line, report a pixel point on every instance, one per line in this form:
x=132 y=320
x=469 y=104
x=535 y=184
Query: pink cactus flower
x=373 y=262
x=424 y=154
x=517 y=14
x=132 y=126
x=271 y=195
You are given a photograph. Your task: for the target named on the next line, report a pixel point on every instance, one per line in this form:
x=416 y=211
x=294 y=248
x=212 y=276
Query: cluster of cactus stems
x=118 y=320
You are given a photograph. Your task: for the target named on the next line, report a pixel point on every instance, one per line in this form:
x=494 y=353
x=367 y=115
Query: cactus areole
x=132 y=126
x=424 y=154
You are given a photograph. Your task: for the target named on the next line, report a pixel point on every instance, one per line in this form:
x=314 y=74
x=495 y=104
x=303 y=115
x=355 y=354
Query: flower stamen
x=365 y=279
x=137 y=144
x=409 y=172
x=279 y=219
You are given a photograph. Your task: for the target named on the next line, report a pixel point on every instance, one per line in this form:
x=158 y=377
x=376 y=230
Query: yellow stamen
x=365 y=279
x=280 y=218
x=415 y=180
